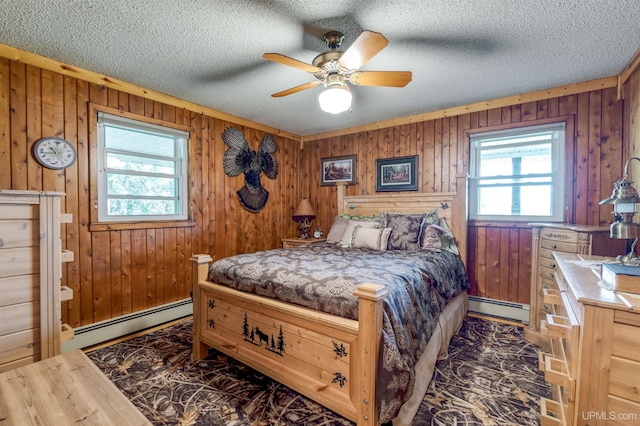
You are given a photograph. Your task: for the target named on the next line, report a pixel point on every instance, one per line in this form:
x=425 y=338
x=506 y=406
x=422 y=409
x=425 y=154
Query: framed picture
x=397 y=174
x=338 y=169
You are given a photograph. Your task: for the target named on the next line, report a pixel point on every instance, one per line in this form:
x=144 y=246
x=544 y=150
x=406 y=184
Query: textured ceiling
x=210 y=52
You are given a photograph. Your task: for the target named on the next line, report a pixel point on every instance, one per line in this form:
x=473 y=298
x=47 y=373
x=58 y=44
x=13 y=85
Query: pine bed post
x=460 y=214
x=199 y=270
x=370 y=298
x=340 y=194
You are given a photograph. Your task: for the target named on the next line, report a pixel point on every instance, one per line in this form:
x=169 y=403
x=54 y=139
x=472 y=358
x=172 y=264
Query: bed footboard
x=327 y=358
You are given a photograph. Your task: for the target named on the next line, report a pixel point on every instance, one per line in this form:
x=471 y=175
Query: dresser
x=31 y=259
x=547 y=238
x=594 y=360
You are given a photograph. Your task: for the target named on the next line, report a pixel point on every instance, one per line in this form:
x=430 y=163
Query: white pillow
x=337 y=229
x=345 y=241
x=375 y=239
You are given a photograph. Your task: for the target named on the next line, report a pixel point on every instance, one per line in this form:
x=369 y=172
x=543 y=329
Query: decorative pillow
x=337 y=229
x=375 y=238
x=347 y=235
x=431 y=217
x=405 y=231
x=371 y=218
x=431 y=238
x=447 y=238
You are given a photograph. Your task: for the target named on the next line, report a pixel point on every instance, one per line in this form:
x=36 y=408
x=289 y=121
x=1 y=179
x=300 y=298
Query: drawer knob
x=553 y=246
x=551 y=274
x=553 y=266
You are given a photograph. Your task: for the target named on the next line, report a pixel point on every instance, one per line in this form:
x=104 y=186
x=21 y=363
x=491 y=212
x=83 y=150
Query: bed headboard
x=451 y=206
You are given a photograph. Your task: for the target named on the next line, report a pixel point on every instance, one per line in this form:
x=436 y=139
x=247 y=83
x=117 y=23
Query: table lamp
x=624 y=199
x=304 y=214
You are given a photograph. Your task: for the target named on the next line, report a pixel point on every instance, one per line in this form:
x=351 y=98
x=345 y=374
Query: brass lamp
x=624 y=199
x=304 y=214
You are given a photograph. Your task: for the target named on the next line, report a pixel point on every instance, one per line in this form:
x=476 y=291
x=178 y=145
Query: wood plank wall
x=631 y=93
x=499 y=256
x=120 y=269
x=117 y=271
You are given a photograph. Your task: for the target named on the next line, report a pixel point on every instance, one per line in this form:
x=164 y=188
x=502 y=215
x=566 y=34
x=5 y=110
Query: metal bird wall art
x=240 y=158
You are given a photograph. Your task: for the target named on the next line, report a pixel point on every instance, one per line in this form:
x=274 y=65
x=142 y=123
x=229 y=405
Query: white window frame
x=557 y=174
x=180 y=138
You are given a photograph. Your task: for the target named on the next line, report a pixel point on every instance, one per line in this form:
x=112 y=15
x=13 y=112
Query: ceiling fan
x=335 y=68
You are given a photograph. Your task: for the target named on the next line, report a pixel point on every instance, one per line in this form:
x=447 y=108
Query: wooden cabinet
x=546 y=239
x=296 y=242
x=594 y=361
x=30 y=270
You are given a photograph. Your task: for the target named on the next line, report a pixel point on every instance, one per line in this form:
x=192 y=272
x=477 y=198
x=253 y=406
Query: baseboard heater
x=500 y=309
x=99 y=332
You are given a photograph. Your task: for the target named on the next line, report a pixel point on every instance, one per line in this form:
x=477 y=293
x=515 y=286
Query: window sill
x=118 y=226
x=499 y=224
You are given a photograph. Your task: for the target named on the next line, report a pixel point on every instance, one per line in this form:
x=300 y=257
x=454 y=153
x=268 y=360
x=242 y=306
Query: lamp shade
x=304 y=211
x=335 y=99
x=624 y=199
x=623 y=193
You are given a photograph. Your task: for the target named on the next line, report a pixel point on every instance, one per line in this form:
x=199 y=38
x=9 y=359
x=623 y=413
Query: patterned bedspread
x=324 y=276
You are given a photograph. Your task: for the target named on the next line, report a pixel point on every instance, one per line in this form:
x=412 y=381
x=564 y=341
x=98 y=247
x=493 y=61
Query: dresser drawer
x=624 y=376
x=559 y=235
x=559 y=246
x=546 y=253
x=546 y=307
x=551 y=413
x=556 y=372
x=20 y=317
x=571 y=344
x=626 y=337
x=562 y=328
x=564 y=386
x=547 y=273
x=557 y=326
x=547 y=284
x=19 y=345
x=549 y=263
x=624 y=411
x=551 y=296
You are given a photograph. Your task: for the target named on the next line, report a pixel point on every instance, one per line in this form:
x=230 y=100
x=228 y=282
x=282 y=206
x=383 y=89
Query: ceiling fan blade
x=381 y=78
x=366 y=46
x=276 y=57
x=297 y=89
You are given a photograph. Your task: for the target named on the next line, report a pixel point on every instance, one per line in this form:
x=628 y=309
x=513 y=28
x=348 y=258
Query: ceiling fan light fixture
x=336 y=98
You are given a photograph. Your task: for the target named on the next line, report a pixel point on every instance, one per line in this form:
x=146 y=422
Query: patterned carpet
x=489 y=378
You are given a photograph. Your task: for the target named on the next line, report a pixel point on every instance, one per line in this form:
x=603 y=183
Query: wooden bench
x=67 y=389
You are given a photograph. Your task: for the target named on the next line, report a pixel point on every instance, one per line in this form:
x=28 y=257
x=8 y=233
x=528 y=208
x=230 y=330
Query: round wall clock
x=54 y=153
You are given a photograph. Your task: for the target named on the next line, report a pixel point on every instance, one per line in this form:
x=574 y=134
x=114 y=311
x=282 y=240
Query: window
x=518 y=174
x=142 y=170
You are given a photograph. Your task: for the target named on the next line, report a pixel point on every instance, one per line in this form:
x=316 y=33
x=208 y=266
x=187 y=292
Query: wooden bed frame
x=327 y=358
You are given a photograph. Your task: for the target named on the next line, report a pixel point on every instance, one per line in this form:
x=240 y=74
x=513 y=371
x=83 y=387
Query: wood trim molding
x=633 y=65
x=29 y=58
x=571 y=89
x=19 y=55
x=119 y=226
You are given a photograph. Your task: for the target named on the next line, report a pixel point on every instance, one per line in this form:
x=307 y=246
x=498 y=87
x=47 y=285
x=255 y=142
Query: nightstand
x=296 y=242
